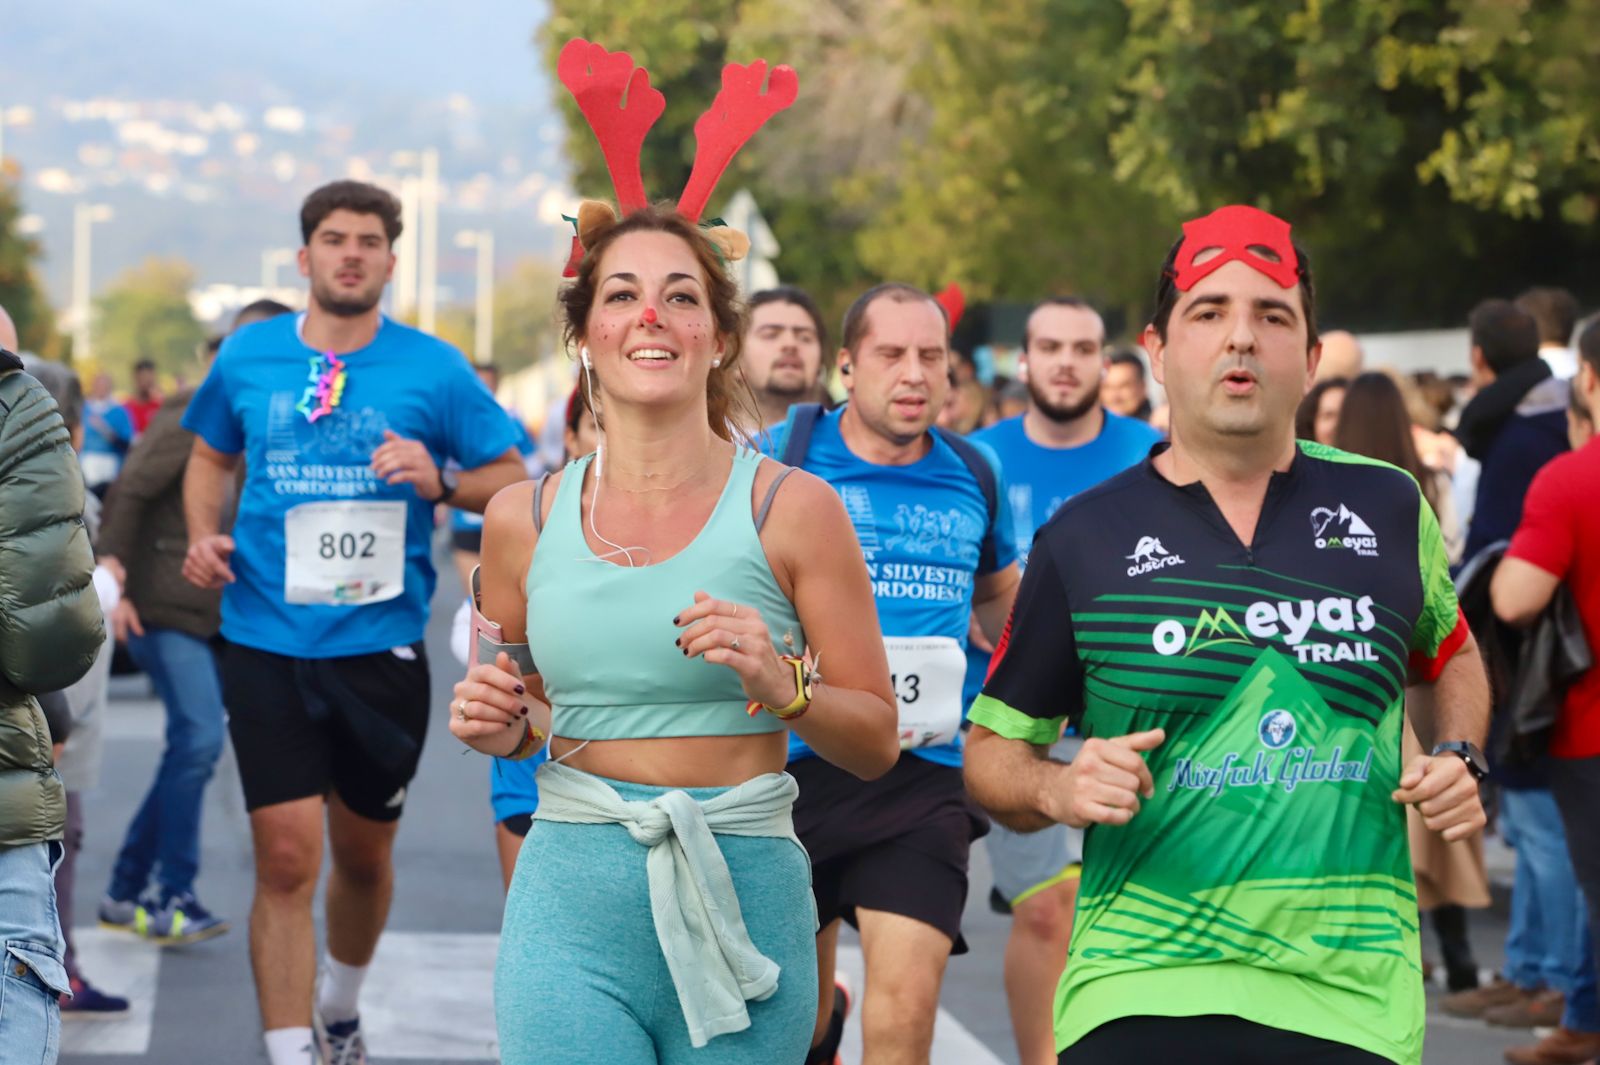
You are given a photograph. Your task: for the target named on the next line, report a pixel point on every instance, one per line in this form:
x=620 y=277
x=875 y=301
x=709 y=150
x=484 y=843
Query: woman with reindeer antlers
x=677 y=594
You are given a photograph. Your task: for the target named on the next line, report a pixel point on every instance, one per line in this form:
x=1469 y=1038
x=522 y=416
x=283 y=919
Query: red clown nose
x=649 y=317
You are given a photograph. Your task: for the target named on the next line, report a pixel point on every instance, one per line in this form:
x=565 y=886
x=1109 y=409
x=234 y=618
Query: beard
x=1063 y=412
x=352 y=306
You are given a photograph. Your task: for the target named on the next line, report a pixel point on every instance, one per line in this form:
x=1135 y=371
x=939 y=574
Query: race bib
x=344 y=554
x=928 y=673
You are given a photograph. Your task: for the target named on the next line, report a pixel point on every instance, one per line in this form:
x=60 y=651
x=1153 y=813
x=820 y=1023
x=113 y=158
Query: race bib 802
x=344 y=553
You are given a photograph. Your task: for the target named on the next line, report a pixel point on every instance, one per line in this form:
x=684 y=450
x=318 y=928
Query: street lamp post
x=84 y=215
x=428 y=264
x=483 y=316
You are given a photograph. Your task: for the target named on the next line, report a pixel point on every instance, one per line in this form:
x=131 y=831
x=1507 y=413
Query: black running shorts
x=898 y=844
x=305 y=726
x=1208 y=1040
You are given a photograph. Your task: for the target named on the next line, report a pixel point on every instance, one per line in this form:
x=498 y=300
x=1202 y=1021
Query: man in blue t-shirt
x=1065 y=442
x=107 y=435
x=345 y=420
x=466 y=526
x=890 y=855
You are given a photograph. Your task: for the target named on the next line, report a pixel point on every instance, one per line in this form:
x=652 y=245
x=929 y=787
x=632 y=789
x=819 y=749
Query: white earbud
x=583 y=355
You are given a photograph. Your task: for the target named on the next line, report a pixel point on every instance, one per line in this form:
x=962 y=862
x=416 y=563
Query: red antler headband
x=620 y=106
x=954 y=302
x=1237 y=234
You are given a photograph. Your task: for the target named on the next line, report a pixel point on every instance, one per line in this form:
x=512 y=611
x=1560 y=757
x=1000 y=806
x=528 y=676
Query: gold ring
x=461 y=709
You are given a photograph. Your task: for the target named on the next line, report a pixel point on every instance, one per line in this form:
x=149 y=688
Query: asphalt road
x=428 y=998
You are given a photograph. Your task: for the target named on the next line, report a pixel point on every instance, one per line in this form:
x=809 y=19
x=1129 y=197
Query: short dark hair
x=144 y=364
x=855 y=319
x=1128 y=358
x=1052 y=301
x=263 y=308
x=357 y=196
x=1589 y=345
x=802 y=299
x=1506 y=334
x=1167 y=293
x=1555 y=310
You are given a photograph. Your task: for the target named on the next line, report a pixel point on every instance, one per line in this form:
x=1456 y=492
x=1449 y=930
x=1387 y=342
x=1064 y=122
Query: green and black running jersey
x=1269 y=878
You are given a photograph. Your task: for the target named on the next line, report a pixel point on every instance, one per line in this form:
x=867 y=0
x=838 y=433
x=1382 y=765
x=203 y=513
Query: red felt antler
x=733 y=118
x=954 y=303
x=598 y=80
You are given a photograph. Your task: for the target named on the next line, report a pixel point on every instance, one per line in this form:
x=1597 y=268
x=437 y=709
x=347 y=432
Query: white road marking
x=431 y=995
x=952 y=1043
x=119 y=964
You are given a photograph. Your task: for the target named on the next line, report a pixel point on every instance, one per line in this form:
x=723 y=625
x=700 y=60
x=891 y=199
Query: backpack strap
x=797 y=430
x=978 y=465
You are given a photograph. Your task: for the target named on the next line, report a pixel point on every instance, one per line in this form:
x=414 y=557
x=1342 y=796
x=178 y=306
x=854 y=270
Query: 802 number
x=346 y=545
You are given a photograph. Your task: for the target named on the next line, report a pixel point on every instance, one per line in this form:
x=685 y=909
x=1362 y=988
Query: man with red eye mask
x=1234 y=624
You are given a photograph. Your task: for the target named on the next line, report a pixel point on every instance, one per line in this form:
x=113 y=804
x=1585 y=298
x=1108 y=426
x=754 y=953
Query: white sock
x=341 y=987
x=290 y=1046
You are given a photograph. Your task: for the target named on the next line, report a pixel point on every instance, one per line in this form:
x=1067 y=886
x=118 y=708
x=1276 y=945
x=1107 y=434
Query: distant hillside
x=203 y=133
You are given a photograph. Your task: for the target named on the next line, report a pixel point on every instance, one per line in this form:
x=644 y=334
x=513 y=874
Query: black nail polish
x=678 y=642
x=521 y=690
x=686 y=652
x=524 y=711
x=674 y=620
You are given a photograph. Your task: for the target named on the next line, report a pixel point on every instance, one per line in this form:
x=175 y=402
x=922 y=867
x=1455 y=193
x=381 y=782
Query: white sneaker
x=341 y=1043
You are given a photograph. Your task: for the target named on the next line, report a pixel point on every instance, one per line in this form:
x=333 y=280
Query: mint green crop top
x=602 y=632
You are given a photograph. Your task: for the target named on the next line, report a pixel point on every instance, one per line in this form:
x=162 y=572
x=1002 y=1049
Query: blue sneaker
x=90 y=1003
x=182 y=920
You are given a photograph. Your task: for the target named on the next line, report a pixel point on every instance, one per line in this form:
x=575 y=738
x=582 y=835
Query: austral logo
x=1343 y=529
x=1149 y=555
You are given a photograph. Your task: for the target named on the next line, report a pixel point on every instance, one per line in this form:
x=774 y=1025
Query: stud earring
x=715 y=363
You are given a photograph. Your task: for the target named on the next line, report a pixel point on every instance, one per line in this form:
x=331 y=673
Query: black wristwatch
x=448 y=482
x=1468 y=753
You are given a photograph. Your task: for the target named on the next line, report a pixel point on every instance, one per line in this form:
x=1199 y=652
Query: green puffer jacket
x=50 y=623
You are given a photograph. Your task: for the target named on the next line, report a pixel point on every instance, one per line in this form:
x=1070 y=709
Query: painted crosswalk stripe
x=428 y=996
x=122 y=965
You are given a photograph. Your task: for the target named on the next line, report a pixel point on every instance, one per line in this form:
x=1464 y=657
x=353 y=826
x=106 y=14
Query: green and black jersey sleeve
x=1441 y=627
x=1035 y=682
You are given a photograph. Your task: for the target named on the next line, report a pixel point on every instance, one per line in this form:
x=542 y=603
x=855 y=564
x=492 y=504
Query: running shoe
x=181 y=920
x=125 y=915
x=90 y=1003
x=339 y=1043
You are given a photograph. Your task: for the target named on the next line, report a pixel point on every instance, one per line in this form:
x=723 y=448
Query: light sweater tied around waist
x=715 y=967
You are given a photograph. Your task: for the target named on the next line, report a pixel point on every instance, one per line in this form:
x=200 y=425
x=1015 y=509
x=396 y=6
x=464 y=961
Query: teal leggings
x=581 y=979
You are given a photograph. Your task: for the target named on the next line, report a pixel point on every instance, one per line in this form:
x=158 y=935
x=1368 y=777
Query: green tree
x=145 y=314
x=20 y=292
x=524 y=315
x=524 y=318
x=1429 y=153
x=683 y=43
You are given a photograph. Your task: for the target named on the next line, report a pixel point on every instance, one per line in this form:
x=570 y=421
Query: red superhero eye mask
x=1236 y=234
